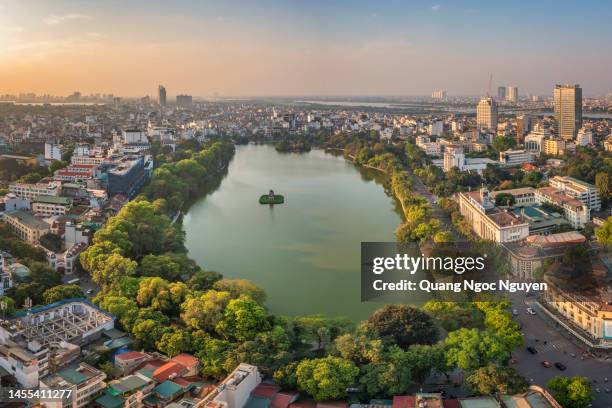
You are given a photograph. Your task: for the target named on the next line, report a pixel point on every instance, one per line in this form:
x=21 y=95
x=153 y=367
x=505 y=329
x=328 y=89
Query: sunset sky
x=256 y=47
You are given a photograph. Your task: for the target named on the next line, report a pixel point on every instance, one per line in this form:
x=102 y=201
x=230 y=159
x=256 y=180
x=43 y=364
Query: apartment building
x=234 y=390
x=558 y=147
x=574 y=210
x=45 y=205
x=515 y=157
x=489 y=222
x=26 y=226
x=430 y=148
x=88 y=160
x=585 y=192
x=27 y=190
x=85 y=382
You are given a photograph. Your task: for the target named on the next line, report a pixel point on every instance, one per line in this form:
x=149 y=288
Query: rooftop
x=559 y=198
x=28 y=219
x=48 y=199
x=168 y=389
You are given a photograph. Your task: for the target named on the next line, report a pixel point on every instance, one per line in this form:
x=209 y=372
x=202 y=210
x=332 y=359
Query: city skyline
x=274 y=48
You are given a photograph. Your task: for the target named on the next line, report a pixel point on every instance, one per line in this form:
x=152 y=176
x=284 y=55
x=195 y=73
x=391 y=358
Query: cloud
x=55 y=19
x=14 y=29
x=95 y=35
x=435 y=7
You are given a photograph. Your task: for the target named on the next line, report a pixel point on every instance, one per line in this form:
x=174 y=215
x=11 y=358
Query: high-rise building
x=439 y=94
x=184 y=100
x=512 y=94
x=523 y=126
x=501 y=93
x=161 y=95
x=568 y=110
x=486 y=114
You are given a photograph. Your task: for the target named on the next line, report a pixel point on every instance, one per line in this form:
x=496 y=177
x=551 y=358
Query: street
x=554 y=346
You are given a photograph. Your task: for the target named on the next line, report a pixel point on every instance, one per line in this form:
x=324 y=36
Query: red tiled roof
x=284 y=399
x=403 y=401
x=130 y=355
x=307 y=403
x=167 y=370
x=186 y=360
x=332 y=404
x=265 y=390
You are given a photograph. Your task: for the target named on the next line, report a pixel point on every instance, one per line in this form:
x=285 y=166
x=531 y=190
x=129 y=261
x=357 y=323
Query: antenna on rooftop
x=490 y=84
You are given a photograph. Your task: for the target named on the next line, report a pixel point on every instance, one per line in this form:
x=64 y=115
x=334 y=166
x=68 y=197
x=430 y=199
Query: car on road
x=90 y=291
x=545 y=364
x=560 y=366
x=515 y=312
x=532 y=350
x=530 y=311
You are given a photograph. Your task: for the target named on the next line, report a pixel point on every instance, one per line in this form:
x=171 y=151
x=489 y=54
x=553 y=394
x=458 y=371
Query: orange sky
x=271 y=47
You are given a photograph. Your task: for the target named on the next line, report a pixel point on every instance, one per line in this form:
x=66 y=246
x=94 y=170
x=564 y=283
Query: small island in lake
x=271 y=198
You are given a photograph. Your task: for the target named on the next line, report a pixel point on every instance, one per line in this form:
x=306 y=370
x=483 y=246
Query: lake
x=305 y=253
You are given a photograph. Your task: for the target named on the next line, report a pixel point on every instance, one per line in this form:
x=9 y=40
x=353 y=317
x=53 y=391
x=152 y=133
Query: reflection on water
x=306 y=252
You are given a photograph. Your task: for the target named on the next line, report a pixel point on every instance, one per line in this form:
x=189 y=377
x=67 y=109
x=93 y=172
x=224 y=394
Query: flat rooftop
x=27 y=219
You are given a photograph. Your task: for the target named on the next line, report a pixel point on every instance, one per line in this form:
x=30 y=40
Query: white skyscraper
x=512 y=94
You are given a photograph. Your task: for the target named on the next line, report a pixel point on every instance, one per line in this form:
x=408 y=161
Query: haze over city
x=242 y=48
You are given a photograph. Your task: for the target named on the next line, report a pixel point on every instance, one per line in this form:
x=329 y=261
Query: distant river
x=304 y=253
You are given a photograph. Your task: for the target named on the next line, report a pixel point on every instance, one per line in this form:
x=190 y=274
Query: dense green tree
x=319 y=330
x=162 y=266
x=140 y=229
x=242 y=319
x=61 y=292
x=470 y=349
x=110 y=271
x=174 y=341
x=206 y=310
x=403 y=325
x=204 y=280
x=286 y=376
x=390 y=376
x=503 y=143
x=532 y=179
x=493 y=379
x=326 y=378
x=360 y=346
x=147 y=332
x=213 y=353
x=268 y=351
x=241 y=287
x=159 y=294
x=571 y=392
x=425 y=359
x=604 y=232
x=603 y=185
x=454 y=315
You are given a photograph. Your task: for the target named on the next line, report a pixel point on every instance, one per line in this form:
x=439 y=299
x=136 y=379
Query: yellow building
x=557 y=147
x=589 y=312
x=26 y=226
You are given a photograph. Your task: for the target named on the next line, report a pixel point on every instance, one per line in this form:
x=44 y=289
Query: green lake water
x=305 y=253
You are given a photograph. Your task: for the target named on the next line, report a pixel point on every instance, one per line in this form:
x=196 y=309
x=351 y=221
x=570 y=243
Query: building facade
x=583 y=191
x=489 y=222
x=486 y=114
x=568 y=111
